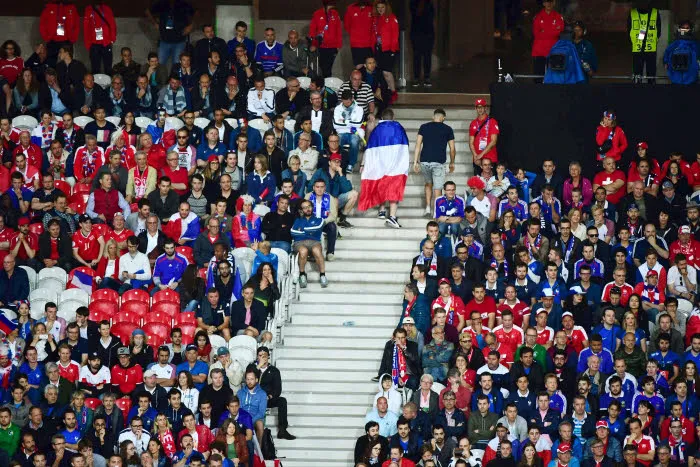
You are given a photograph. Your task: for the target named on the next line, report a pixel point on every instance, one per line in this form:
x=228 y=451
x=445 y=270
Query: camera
x=458 y=452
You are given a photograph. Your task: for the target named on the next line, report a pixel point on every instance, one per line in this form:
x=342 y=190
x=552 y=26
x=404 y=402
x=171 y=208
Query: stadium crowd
x=550 y=319
x=140 y=249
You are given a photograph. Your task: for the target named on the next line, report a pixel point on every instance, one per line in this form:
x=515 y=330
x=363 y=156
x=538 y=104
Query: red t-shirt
x=507 y=355
x=176 y=176
x=545 y=335
x=482 y=136
x=156 y=157
x=511 y=339
x=119 y=237
x=625 y=291
x=32 y=240
x=644 y=446
x=577 y=337
x=486 y=307
x=6 y=235
x=604 y=179
x=519 y=310
x=11 y=68
x=54 y=249
x=88 y=247
x=71 y=372
x=691 y=252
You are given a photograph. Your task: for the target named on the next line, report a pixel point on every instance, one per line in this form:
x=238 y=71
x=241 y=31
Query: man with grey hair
x=50 y=407
x=321 y=119
x=62 y=385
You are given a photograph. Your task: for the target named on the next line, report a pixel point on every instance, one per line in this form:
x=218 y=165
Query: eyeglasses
x=592 y=235
x=181 y=136
x=136 y=426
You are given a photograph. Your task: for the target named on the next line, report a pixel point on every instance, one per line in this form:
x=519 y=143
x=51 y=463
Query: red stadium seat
x=188 y=317
x=80 y=198
x=63 y=186
x=158 y=317
x=107 y=295
x=108 y=309
x=136 y=295
x=167 y=308
x=166 y=296
x=187 y=252
x=96 y=316
x=93 y=402
x=100 y=229
x=89 y=271
x=156 y=341
x=78 y=207
x=188 y=331
x=138 y=308
x=123 y=331
x=156 y=329
x=125 y=316
x=81 y=188
x=124 y=404
x=37 y=228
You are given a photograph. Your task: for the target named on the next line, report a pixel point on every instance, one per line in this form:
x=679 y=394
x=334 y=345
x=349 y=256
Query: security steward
x=644 y=25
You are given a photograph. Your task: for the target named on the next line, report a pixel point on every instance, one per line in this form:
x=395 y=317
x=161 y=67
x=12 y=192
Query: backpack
x=267 y=447
x=682 y=62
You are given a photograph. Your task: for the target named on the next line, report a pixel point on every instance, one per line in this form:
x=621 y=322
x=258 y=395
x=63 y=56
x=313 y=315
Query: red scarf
x=140 y=180
x=407 y=313
x=168 y=442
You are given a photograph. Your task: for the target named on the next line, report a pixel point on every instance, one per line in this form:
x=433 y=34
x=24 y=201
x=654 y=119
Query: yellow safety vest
x=644 y=26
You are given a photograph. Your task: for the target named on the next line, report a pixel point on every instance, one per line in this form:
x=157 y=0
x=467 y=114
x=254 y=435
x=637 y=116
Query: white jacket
x=132 y=265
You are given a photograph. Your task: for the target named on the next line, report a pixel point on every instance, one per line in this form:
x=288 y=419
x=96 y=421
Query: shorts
x=307 y=243
x=360 y=54
x=386 y=60
x=433 y=173
x=343 y=199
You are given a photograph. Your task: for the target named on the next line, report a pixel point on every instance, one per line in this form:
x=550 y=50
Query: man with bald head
x=292 y=99
x=612 y=179
x=647 y=204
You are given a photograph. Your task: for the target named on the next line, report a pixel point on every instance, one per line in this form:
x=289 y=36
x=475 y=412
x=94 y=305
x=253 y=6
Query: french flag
x=82 y=281
x=386 y=165
x=237 y=287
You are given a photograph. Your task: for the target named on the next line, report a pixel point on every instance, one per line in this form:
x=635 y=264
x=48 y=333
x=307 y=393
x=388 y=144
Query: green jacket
x=636 y=361
x=9 y=439
x=539 y=354
x=481 y=428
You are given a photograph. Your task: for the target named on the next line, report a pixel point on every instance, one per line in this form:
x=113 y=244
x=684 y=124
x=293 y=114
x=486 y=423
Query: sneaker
x=330 y=257
x=382 y=215
x=303 y=282
x=415 y=84
x=394 y=97
x=324 y=281
x=393 y=223
x=428 y=212
x=345 y=224
x=428 y=84
x=375 y=379
x=349 y=169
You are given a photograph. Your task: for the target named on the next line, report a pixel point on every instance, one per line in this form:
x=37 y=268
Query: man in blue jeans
x=347 y=120
x=174 y=21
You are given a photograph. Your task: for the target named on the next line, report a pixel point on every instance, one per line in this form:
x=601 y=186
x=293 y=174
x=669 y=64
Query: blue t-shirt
x=72 y=437
x=199 y=368
x=435 y=138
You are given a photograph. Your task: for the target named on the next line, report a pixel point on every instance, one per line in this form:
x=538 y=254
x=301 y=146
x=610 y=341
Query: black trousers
x=326 y=58
x=539 y=66
x=281 y=404
x=422 y=54
x=101 y=55
x=639 y=59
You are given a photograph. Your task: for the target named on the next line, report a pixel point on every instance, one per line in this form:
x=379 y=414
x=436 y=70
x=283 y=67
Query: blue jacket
x=606 y=360
x=247 y=42
x=269 y=59
x=413 y=450
x=204 y=151
x=495 y=401
x=262 y=258
x=420 y=313
x=244 y=419
x=460 y=423
x=553 y=319
x=576 y=449
x=551 y=416
x=261 y=188
x=170 y=270
x=255 y=142
x=299 y=184
x=254 y=402
x=335 y=186
x=15 y=288
x=573 y=71
x=307 y=229
x=527 y=405
x=443 y=247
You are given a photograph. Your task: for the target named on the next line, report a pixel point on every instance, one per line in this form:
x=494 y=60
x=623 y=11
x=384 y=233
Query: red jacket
x=619 y=141
x=404 y=462
x=156 y=157
x=358 y=23
x=387 y=27
x=33 y=153
x=56 y=13
x=102 y=268
x=685 y=170
x=205 y=438
x=92 y=21
x=546 y=29
x=333 y=36
x=126 y=379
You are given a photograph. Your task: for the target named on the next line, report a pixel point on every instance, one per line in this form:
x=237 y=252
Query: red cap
x=23 y=221
x=601 y=424
x=480 y=102
x=336 y=157
x=213 y=158
x=642 y=145
x=651 y=272
x=564 y=447
x=443 y=281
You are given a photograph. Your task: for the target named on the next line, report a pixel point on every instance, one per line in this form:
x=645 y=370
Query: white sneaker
x=393 y=223
x=324 y=281
x=428 y=212
x=330 y=257
x=303 y=281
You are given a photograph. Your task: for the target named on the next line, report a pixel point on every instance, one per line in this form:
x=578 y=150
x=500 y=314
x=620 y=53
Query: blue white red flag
x=82 y=281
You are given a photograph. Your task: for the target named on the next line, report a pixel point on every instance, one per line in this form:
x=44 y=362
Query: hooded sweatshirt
x=253 y=401
x=393 y=396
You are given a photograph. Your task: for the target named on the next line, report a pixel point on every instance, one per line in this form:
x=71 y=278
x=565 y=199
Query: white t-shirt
x=103 y=376
x=483 y=206
x=674 y=277
x=167 y=371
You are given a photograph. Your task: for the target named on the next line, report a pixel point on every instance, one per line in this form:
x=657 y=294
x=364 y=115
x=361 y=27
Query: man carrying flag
x=183 y=226
x=385 y=169
x=400 y=359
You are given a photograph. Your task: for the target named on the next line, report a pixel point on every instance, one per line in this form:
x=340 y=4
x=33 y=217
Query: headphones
x=580 y=24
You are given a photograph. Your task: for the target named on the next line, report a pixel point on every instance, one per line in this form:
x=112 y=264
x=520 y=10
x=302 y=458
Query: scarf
x=68 y=141
x=407 y=312
x=140 y=179
x=399 y=375
x=677 y=451
x=117 y=103
x=448 y=305
x=538 y=243
x=497 y=266
x=433 y=263
x=568 y=248
x=651 y=294
x=89 y=162
x=5 y=373
x=168 y=442
x=147 y=99
x=324 y=210
x=347 y=112
x=46 y=135
x=175 y=101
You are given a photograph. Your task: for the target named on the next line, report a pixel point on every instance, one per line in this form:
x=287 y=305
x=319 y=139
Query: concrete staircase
x=333 y=345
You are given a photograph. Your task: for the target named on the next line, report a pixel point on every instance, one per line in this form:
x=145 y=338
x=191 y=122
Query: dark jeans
x=326 y=58
x=110 y=283
x=31 y=262
x=422 y=52
x=101 y=55
x=331 y=230
x=539 y=66
x=639 y=59
x=511 y=9
x=281 y=404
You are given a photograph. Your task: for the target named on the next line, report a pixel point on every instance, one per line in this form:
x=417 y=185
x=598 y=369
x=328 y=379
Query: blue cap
x=138 y=332
x=633 y=206
x=467 y=231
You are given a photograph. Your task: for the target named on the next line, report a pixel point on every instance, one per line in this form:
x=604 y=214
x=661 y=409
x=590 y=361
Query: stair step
x=287 y=364
x=304 y=352
x=337 y=331
x=299 y=319
x=426 y=114
x=340 y=375
x=381 y=232
x=347 y=444
x=327 y=453
x=412 y=126
x=356 y=288
x=349 y=311
x=368 y=243
x=330 y=398
x=364 y=266
x=338 y=276
x=369 y=219
x=376 y=257
x=334 y=346
x=331 y=386
x=311 y=300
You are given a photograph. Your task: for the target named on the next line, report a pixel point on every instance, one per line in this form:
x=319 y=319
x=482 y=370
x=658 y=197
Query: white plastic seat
x=304 y=82
x=103 y=80
x=174 y=123
x=333 y=83
x=143 y=122
x=437 y=387
x=275 y=83
x=201 y=122
x=289 y=125
x=260 y=125
x=25 y=122
x=114 y=120
x=36 y=309
x=217 y=341
x=244 y=262
x=261 y=210
x=83 y=120
x=243 y=348
x=51 y=283
x=282 y=262
x=49 y=295
x=67 y=309
x=76 y=295
x=231 y=121
x=31 y=275
x=56 y=273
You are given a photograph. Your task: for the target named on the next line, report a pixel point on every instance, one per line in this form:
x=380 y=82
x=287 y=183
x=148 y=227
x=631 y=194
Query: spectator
x=436 y=355
x=25 y=95
x=52 y=95
x=127 y=68
x=268 y=54
x=88 y=247
x=291 y=99
x=347 y=120
x=173 y=18
x=546 y=28
x=585 y=49
x=174 y=98
x=206 y=45
x=254 y=399
x=70 y=71
x=134 y=267
x=55 y=247
x=261 y=101
x=243 y=67
x=106 y=201
x=247 y=314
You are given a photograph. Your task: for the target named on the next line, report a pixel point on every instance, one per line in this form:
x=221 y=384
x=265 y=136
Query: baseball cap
x=684 y=229
x=23 y=221
x=480 y=102
x=564 y=447
x=540 y=310
x=467 y=231
x=632 y=206
x=149 y=373
x=138 y=332
x=567 y=313
x=93 y=355
x=336 y=157
x=666 y=185
x=213 y=158
x=652 y=273
x=191 y=347
x=443 y=281
x=578 y=290
x=642 y=145
x=409 y=320
x=118 y=214
x=601 y=424
x=123 y=351
x=221 y=351
x=547 y=293
x=84 y=218
x=691 y=205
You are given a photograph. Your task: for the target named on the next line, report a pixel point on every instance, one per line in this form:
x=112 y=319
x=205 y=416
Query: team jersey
x=454 y=307
x=519 y=210
x=545 y=336
x=119 y=238
x=644 y=446
x=482 y=130
x=477 y=339
x=486 y=307
x=103 y=376
x=70 y=372
x=88 y=247
x=511 y=339
x=449 y=207
x=576 y=338
x=519 y=310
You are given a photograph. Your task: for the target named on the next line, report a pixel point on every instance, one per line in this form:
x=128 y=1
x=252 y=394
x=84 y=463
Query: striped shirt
x=363 y=96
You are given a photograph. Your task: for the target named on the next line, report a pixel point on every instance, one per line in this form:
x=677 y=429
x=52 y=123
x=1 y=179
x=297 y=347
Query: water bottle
x=349 y=323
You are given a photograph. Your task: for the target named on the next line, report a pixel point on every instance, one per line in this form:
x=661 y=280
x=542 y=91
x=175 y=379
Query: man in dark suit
x=88 y=96
x=89 y=330
x=152 y=232
x=159 y=396
x=437 y=268
x=240 y=309
x=321 y=120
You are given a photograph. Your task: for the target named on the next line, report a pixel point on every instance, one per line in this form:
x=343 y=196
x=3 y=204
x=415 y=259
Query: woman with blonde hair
x=107 y=276
x=578 y=230
x=163 y=431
